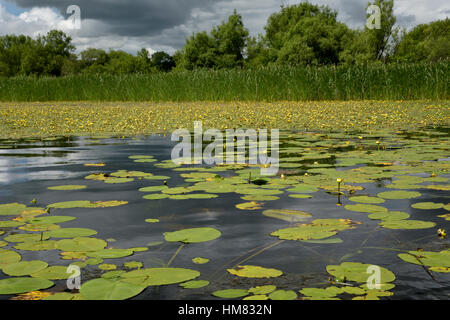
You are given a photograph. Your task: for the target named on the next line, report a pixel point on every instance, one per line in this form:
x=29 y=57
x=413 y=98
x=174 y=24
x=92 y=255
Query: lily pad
x=52 y=273
x=262 y=290
x=407 y=224
x=104 y=289
x=200 y=260
x=255 y=272
x=357 y=272
x=283 y=295
x=110 y=253
x=366 y=199
x=427 y=205
x=24 y=268
x=253 y=205
x=397 y=195
x=230 y=293
x=195 y=235
x=12 y=209
x=51 y=219
x=160 y=276
x=287 y=215
x=81 y=244
x=23 y=285
x=37 y=245
x=367 y=208
x=71 y=233
x=194 y=284
x=8 y=257
x=67 y=188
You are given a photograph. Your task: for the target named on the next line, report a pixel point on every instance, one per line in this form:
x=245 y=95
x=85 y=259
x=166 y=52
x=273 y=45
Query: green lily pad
x=428 y=205
x=160 y=276
x=154 y=189
x=67 y=188
x=367 y=208
x=428 y=258
x=24 y=268
x=194 y=284
x=262 y=290
x=300 y=196
x=367 y=200
x=104 y=289
x=155 y=196
x=258 y=297
x=23 y=285
x=407 y=224
x=255 y=272
x=357 y=272
x=51 y=220
x=397 y=195
x=71 y=205
x=195 y=235
x=152 y=220
x=110 y=253
x=200 y=260
x=107 y=267
x=303 y=188
x=287 y=215
x=81 y=244
x=64 y=296
x=230 y=293
x=283 y=295
x=253 y=205
x=52 y=273
x=8 y=257
x=133 y=265
x=391 y=215
x=10 y=224
x=37 y=245
x=71 y=233
x=113 y=275
x=320 y=293
x=12 y=209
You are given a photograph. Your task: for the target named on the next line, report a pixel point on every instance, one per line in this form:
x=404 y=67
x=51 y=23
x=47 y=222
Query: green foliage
x=426 y=42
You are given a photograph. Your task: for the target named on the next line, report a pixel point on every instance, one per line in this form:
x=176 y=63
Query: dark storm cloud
x=128 y=18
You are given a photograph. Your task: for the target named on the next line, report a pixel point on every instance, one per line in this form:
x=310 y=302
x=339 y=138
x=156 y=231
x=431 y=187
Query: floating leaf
x=195 y=235
x=367 y=208
x=259 y=297
x=37 y=245
x=407 y=224
x=51 y=220
x=427 y=205
x=10 y=224
x=194 y=284
x=230 y=293
x=399 y=195
x=357 y=272
x=110 y=253
x=152 y=220
x=71 y=233
x=103 y=289
x=67 y=188
x=8 y=257
x=249 y=206
x=81 y=244
x=303 y=188
x=52 y=273
x=283 y=295
x=200 y=260
x=287 y=215
x=24 y=268
x=160 y=276
x=156 y=196
x=23 y=285
x=262 y=290
x=12 y=209
x=368 y=200
x=255 y=272
x=133 y=265
x=153 y=189
x=25 y=237
x=107 y=267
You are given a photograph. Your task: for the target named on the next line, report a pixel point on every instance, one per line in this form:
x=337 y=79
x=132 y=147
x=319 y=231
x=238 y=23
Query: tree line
x=303 y=34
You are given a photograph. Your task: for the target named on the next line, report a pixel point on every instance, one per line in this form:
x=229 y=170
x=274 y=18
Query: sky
x=163 y=25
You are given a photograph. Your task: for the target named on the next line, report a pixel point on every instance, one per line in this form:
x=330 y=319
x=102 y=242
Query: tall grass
x=365 y=82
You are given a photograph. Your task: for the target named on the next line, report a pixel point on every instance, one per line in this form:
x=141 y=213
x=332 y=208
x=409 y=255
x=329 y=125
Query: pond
x=226 y=231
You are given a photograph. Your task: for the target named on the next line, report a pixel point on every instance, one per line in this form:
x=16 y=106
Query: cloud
x=164 y=24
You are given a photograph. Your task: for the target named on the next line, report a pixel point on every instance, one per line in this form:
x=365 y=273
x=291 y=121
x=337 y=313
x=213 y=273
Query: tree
x=305 y=34
x=222 y=48
x=382 y=41
x=57 y=47
x=162 y=61
x=426 y=42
